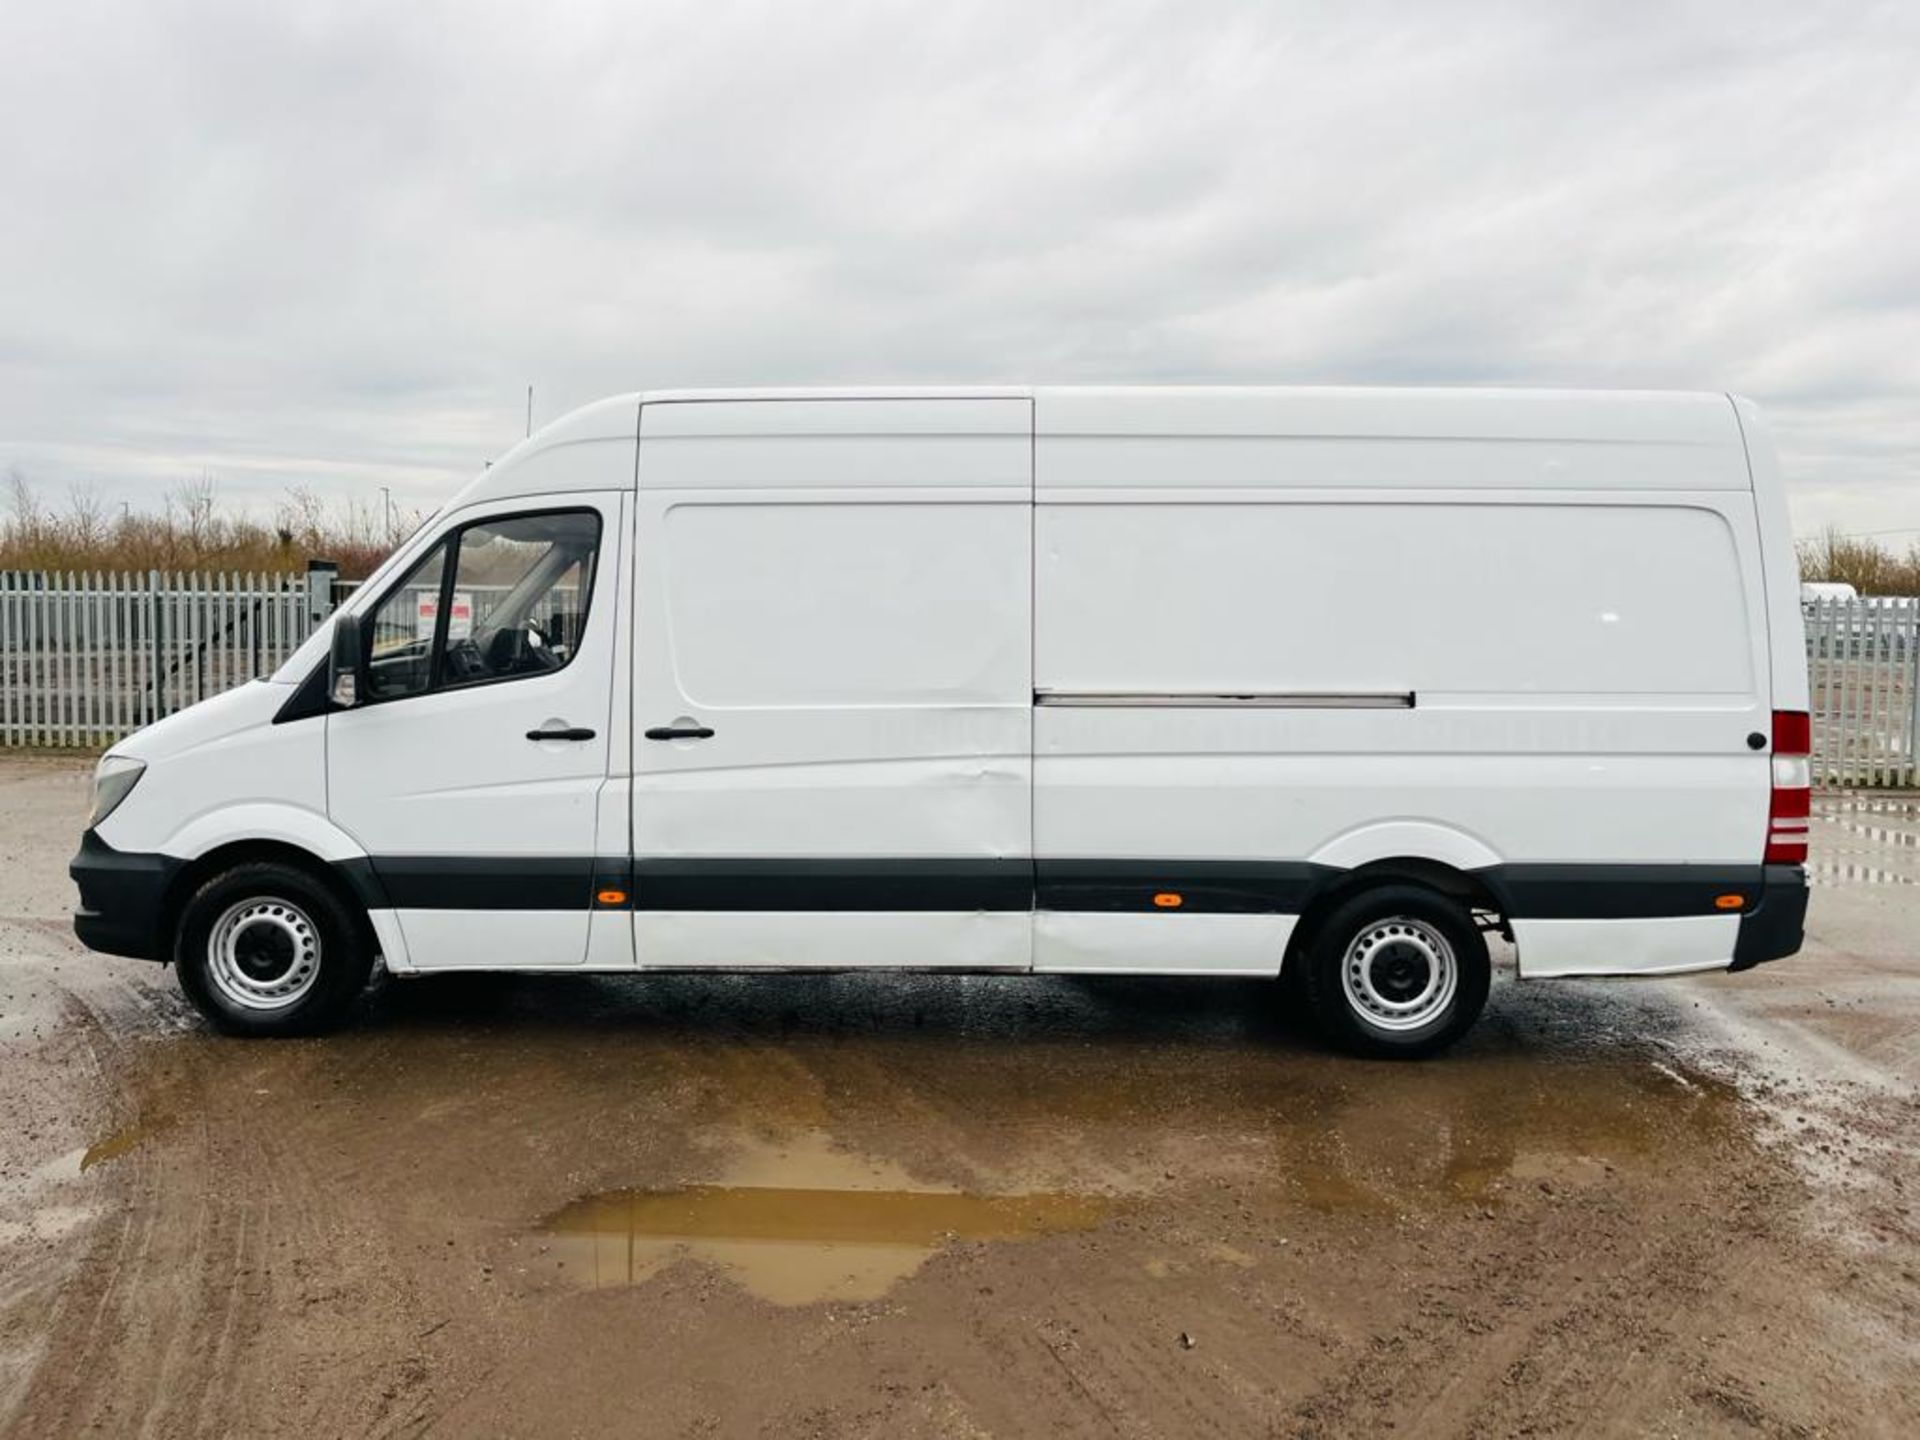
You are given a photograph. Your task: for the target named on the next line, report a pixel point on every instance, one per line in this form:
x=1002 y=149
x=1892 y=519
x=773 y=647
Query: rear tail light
x=1792 y=804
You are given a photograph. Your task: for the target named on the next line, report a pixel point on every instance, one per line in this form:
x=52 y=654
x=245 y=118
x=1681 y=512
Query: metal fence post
x=155 y=638
x=1911 y=634
x=255 y=587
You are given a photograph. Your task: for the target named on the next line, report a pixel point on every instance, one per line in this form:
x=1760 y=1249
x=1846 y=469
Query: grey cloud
x=331 y=244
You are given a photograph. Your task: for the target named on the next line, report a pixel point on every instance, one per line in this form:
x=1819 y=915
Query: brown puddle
x=121 y=1141
x=795 y=1244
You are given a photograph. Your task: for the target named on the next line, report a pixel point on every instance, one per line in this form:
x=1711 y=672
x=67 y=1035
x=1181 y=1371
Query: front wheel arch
x=198 y=871
x=264 y=947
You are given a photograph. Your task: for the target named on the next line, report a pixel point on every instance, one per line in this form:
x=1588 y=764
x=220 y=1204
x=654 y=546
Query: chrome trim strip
x=1256 y=700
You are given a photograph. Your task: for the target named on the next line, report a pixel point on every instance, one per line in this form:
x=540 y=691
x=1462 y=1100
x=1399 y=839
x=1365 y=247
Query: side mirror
x=347 y=663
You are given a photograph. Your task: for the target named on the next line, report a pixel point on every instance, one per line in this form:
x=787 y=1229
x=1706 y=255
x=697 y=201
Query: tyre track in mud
x=126 y=1314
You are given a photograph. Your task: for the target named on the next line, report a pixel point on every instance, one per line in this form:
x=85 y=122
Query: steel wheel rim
x=263 y=954
x=1399 y=974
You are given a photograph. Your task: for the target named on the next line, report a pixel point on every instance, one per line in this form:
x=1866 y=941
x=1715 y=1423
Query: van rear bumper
x=1775 y=925
x=122 y=899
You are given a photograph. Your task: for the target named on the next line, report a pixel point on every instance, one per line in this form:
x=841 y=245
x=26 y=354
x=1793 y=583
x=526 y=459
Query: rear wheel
x=269 y=949
x=1396 y=971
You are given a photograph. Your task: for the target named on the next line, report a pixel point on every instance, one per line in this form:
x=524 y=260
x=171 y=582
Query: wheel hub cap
x=263 y=954
x=1399 y=974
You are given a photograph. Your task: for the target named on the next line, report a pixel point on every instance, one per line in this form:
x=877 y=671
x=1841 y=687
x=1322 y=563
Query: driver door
x=472 y=772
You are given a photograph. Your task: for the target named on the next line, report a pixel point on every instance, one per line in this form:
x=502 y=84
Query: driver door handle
x=571 y=733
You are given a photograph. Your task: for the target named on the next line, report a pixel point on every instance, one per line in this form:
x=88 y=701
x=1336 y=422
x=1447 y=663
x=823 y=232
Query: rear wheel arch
x=1464 y=887
x=1394 y=964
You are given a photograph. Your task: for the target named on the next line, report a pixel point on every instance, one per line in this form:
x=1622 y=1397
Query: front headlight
x=113 y=781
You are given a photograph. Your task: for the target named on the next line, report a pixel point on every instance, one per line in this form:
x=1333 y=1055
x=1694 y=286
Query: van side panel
x=1395 y=592
x=1297 y=651
x=840 y=593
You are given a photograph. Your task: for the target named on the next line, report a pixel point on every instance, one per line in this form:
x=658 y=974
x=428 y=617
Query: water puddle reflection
x=852 y=1234
x=1899 y=806
x=1844 y=872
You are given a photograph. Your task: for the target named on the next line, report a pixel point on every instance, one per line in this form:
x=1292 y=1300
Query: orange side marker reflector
x=612 y=897
x=1167 y=900
x=1729 y=902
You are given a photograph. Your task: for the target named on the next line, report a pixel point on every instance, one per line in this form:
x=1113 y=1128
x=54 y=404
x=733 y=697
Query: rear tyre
x=1398 y=972
x=270 y=949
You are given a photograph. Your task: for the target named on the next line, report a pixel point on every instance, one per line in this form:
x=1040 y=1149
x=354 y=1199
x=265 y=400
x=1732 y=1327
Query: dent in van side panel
x=1670 y=945
x=972 y=801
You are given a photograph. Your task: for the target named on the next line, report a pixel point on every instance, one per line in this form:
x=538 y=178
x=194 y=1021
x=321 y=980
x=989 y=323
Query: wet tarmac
x=899 y=1205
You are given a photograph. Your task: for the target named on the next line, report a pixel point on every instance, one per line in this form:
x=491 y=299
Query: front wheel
x=1398 y=971
x=269 y=949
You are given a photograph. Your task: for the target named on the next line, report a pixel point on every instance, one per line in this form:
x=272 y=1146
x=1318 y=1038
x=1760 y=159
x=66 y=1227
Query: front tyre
x=270 y=949
x=1398 y=971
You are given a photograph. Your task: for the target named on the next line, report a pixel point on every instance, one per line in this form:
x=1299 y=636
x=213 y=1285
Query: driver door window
x=400 y=652
x=513 y=603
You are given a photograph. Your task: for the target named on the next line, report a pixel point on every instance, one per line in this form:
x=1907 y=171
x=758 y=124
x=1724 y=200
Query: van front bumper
x=122 y=899
x=1775 y=925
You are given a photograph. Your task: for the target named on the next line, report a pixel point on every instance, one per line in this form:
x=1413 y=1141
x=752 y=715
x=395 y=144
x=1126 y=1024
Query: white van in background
x=1814 y=592
x=1314 y=684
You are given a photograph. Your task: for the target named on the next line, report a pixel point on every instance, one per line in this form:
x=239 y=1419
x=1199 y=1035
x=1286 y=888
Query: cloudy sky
x=332 y=244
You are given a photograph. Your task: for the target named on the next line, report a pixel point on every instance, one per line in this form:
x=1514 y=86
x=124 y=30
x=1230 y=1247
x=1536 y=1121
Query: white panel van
x=1322 y=685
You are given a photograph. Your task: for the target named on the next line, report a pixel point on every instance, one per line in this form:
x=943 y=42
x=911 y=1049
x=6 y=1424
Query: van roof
x=1685 y=420
x=1483 y=413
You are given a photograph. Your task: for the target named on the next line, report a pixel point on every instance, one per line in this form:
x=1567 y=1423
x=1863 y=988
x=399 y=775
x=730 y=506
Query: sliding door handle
x=680 y=732
x=572 y=732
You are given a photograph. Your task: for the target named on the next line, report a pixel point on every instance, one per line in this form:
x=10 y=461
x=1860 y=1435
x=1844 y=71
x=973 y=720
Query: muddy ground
x=895 y=1206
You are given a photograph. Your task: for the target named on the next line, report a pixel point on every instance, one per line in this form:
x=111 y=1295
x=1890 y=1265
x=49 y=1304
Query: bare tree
x=1860 y=561
x=86 y=523
x=195 y=500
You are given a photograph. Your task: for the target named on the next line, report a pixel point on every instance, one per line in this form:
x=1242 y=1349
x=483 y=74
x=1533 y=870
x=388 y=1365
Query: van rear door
x=833 y=684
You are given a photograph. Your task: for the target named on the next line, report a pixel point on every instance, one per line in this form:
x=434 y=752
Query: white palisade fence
x=86 y=657
x=1863 y=667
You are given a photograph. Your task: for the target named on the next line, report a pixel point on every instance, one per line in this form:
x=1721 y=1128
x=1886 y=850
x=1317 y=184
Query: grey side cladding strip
x=1213 y=887
x=877 y=883
x=885 y=883
x=1619 y=892
x=472 y=882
